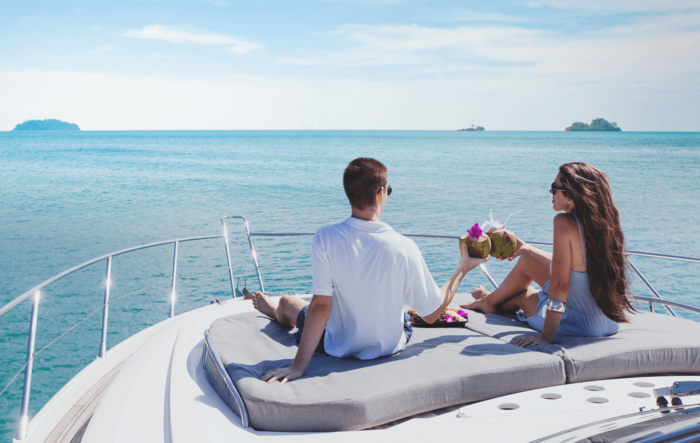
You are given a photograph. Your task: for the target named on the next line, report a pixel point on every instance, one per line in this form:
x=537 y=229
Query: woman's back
x=583 y=316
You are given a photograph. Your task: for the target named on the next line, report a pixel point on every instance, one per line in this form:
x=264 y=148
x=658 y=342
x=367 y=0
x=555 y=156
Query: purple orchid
x=475 y=231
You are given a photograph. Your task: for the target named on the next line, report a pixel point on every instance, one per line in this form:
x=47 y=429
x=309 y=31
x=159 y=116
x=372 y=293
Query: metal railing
x=36 y=291
x=658 y=299
x=209 y=352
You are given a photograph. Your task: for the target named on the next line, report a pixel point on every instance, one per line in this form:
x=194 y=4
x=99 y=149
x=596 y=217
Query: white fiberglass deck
x=162 y=394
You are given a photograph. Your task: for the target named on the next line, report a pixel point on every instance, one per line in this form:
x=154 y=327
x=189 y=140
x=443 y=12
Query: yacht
x=195 y=377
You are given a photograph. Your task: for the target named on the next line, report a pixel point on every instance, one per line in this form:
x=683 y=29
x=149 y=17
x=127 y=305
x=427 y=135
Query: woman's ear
x=379 y=195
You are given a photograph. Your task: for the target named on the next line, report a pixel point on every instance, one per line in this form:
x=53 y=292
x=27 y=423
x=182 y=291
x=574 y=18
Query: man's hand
x=283 y=375
x=468 y=263
x=316 y=319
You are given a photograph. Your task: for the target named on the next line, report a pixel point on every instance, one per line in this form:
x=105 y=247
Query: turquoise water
x=68 y=197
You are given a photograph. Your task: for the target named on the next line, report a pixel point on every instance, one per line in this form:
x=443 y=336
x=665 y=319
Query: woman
x=584 y=281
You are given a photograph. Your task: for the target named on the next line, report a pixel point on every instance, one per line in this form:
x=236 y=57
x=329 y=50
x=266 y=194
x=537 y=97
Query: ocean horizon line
x=340 y=130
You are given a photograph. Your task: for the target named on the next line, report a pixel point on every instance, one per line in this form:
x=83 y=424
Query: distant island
x=46 y=125
x=478 y=128
x=599 y=124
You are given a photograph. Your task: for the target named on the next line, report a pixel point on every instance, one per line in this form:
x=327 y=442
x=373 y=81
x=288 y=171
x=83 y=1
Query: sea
x=67 y=197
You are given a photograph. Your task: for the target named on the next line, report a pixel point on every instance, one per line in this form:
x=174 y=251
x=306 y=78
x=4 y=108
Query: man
x=364 y=273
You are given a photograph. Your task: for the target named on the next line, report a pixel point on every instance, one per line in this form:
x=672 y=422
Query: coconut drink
x=502 y=243
x=478 y=244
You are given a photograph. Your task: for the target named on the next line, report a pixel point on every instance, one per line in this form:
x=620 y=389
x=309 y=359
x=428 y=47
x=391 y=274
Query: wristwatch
x=556 y=306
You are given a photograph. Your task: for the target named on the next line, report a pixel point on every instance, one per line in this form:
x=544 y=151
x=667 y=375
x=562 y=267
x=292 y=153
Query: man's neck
x=369 y=214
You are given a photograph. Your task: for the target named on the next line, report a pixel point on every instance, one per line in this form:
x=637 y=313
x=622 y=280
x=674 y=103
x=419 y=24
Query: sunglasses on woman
x=388 y=189
x=552 y=188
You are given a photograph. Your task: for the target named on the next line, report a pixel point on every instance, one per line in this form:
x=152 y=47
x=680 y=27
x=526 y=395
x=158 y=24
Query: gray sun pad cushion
x=439 y=368
x=650 y=344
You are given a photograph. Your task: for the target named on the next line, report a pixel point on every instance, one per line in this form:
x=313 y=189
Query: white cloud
x=619 y=5
x=414 y=37
x=299 y=61
x=653 y=46
x=368 y=2
x=385 y=45
x=178 y=35
x=475 y=16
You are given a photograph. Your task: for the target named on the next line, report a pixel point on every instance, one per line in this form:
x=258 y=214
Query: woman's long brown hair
x=589 y=189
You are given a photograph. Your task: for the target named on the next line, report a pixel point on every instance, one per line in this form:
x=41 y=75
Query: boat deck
x=152 y=387
x=73 y=425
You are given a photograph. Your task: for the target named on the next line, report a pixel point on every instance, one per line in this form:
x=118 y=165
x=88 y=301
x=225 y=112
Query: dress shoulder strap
x=583 y=245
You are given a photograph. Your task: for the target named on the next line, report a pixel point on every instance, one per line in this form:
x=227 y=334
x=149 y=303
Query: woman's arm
x=559 y=283
x=541 y=256
x=522 y=248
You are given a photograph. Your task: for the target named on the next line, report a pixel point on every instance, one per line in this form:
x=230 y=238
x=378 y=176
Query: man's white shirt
x=371 y=272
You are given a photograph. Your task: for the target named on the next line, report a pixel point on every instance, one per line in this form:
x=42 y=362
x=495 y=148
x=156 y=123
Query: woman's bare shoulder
x=565 y=224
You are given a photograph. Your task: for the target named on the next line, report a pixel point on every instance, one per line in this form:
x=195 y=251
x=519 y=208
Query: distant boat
x=473 y=128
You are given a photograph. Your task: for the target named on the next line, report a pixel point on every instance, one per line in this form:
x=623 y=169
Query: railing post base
x=105 y=309
x=252 y=252
x=171 y=314
x=23 y=423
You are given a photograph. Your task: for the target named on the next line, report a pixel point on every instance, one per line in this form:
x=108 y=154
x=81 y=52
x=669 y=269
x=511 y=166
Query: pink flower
x=475 y=231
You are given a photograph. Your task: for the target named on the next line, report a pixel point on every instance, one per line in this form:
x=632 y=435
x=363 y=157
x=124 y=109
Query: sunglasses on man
x=388 y=189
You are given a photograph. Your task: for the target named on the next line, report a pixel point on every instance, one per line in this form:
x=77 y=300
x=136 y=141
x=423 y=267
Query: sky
x=351 y=64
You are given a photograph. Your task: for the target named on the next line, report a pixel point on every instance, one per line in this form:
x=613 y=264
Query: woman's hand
x=520 y=246
x=283 y=375
x=524 y=342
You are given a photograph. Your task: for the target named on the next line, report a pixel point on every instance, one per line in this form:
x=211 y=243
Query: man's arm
x=466 y=264
x=316 y=320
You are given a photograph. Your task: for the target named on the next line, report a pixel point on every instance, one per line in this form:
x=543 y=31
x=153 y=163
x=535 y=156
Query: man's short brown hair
x=362 y=179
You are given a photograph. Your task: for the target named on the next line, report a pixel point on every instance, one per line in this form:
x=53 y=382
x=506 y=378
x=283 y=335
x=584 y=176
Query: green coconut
x=479 y=247
x=502 y=243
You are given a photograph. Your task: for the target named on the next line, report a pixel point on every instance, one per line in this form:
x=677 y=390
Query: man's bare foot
x=264 y=304
x=479 y=306
x=479 y=292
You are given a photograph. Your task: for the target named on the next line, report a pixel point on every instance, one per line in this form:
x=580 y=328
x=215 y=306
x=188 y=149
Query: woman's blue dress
x=582 y=317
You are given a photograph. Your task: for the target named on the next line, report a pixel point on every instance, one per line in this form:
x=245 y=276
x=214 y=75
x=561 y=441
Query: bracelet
x=556 y=306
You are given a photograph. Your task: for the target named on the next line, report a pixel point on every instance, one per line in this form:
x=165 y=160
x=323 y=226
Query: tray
x=420 y=323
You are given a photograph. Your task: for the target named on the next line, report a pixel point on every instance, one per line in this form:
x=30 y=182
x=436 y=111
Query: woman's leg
x=479 y=292
x=525 y=271
x=528 y=300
